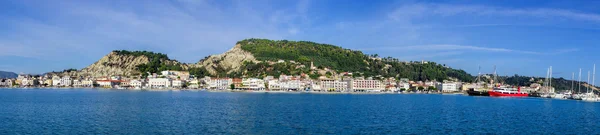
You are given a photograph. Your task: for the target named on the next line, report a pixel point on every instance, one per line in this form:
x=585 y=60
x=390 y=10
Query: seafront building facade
x=159 y=82
x=253 y=84
x=366 y=85
x=181 y=80
x=332 y=85
x=448 y=87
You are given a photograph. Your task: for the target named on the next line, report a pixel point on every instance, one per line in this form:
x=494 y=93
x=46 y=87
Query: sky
x=518 y=37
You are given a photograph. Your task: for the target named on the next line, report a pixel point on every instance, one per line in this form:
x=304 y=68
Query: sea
x=91 y=111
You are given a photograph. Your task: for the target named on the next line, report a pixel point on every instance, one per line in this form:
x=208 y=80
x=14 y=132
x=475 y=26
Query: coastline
x=230 y=91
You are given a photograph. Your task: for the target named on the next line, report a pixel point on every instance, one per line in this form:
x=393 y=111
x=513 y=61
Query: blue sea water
x=79 y=111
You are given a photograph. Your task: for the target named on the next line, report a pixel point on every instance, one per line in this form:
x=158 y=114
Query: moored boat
x=473 y=92
x=499 y=92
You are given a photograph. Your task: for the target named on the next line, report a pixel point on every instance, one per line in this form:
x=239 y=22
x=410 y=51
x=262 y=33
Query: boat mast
x=550 y=81
x=478 y=75
x=594 y=79
x=579 y=82
x=494 y=81
x=573 y=82
x=587 y=90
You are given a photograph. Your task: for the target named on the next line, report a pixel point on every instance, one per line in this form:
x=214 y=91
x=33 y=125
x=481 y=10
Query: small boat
x=473 y=92
x=559 y=96
x=589 y=97
x=499 y=92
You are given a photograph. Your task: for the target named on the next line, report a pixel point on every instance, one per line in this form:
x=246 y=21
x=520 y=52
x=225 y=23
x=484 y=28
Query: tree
x=430 y=88
x=421 y=88
x=402 y=89
x=232 y=86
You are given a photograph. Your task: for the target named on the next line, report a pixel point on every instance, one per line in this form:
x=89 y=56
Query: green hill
x=338 y=59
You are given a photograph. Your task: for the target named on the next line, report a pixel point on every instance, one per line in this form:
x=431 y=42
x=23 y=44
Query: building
x=274 y=85
x=136 y=83
x=26 y=82
x=448 y=87
x=291 y=85
x=253 y=84
x=332 y=85
x=219 y=83
x=195 y=84
x=366 y=85
x=77 y=83
x=178 y=83
x=403 y=86
x=6 y=83
x=48 y=82
x=66 y=81
x=237 y=83
x=181 y=75
x=87 y=83
x=159 y=82
x=107 y=83
x=56 y=81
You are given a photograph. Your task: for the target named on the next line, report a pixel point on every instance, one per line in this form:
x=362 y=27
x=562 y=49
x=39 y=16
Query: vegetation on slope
x=340 y=60
x=156 y=61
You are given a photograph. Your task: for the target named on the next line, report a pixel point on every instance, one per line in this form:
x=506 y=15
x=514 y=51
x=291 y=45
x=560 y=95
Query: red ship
x=498 y=92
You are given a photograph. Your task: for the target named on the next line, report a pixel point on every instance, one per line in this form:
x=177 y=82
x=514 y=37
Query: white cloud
x=186 y=30
x=451 y=47
x=415 y=11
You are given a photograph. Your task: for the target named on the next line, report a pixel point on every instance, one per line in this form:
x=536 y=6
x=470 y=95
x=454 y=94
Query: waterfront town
x=182 y=80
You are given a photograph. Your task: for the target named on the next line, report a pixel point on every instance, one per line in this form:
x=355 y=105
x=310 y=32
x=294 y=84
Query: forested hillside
x=342 y=60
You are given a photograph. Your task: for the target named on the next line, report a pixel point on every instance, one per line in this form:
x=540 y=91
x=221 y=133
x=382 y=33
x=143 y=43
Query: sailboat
x=475 y=91
x=548 y=92
x=590 y=96
x=568 y=94
x=578 y=95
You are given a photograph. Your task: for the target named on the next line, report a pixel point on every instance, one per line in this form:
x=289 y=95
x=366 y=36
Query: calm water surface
x=77 y=111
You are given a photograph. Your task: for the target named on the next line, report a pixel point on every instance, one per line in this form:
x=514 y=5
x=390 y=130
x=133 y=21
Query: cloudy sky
x=520 y=37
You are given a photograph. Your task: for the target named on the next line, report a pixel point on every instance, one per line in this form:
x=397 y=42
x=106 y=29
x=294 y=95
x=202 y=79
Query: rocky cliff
x=115 y=63
x=229 y=61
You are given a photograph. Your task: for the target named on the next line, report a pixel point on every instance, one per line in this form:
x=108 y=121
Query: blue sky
x=520 y=37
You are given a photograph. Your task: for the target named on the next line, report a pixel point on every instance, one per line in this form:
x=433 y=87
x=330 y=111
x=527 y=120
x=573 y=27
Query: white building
x=56 y=81
x=253 y=84
x=333 y=85
x=136 y=83
x=181 y=75
x=219 y=83
x=366 y=85
x=293 y=85
x=159 y=82
x=178 y=83
x=87 y=83
x=274 y=85
x=77 y=83
x=404 y=85
x=66 y=81
x=194 y=84
x=448 y=87
x=108 y=83
x=5 y=82
x=26 y=82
